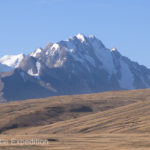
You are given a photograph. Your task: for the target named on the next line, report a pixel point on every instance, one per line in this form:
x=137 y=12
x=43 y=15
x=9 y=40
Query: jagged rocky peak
x=81 y=37
x=73 y=44
x=86 y=50
x=84 y=39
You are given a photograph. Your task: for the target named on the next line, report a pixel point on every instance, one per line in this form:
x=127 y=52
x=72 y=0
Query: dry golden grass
x=100 y=121
x=83 y=142
x=133 y=118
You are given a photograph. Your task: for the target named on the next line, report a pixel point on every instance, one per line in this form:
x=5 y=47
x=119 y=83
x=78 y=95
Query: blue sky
x=29 y=24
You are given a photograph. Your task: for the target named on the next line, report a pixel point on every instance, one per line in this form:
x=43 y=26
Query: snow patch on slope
x=81 y=37
x=55 y=46
x=37 y=51
x=58 y=63
x=37 y=74
x=12 y=61
x=113 y=49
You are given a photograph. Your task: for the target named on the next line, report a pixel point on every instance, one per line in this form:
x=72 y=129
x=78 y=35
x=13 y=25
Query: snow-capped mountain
x=11 y=61
x=80 y=64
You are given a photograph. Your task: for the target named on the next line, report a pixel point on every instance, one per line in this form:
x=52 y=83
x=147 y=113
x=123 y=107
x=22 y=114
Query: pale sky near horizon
x=29 y=24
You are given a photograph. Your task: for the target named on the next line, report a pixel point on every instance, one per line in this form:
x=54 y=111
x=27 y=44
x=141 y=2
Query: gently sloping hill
x=133 y=118
x=47 y=111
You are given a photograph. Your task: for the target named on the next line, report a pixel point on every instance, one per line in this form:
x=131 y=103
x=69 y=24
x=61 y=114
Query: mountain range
x=81 y=64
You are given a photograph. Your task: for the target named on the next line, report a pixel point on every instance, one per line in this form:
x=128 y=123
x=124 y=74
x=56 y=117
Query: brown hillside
x=100 y=121
x=47 y=111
